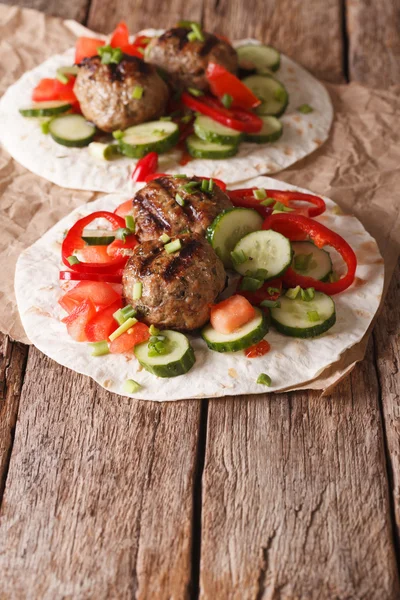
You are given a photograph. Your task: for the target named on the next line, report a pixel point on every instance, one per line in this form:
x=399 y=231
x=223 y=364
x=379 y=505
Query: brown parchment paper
x=359 y=168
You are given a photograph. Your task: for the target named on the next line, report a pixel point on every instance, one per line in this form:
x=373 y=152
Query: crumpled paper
x=358 y=167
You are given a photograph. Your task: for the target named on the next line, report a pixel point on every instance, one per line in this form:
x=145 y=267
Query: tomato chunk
x=86 y=47
x=94 y=254
x=65 y=91
x=45 y=91
x=258 y=349
x=124 y=209
x=230 y=314
x=117 y=247
x=101 y=326
x=120 y=36
x=101 y=294
x=76 y=322
x=137 y=334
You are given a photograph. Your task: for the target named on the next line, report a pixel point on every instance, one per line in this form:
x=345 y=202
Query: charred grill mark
x=129 y=66
x=146 y=207
x=189 y=249
x=179 y=33
x=146 y=262
x=208 y=45
x=180 y=262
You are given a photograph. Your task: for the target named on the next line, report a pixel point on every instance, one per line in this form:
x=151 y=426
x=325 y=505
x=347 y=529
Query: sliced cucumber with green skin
x=267 y=250
x=211 y=131
x=200 y=149
x=72 y=131
x=229 y=227
x=178 y=361
x=242 y=338
x=103 y=151
x=98 y=237
x=271 y=131
x=272 y=93
x=260 y=58
x=317 y=266
x=156 y=136
x=292 y=318
x=45 y=109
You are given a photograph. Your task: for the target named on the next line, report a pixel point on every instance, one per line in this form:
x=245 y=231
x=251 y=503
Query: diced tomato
x=101 y=326
x=45 y=91
x=94 y=254
x=264 y=293
x=124 y=209
x=65 y=91
x=142 y=40
x=117 y=246
x=120 y=36
x=258 y=349
x=76 y=322
x=223 y=82
x=230 y=314
x=86 y=47
x=132 y=50
x=135 y=335
x=101 y=294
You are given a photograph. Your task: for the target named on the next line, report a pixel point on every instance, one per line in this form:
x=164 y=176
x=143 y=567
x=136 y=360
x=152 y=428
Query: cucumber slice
x=292 y=318
x=266 y=250
x=98 y=237
x=317 y=263
x=45 y=109
x=211 y=131
x=72 y=131
x=260 y=58
x=156 y=136
x=271 y=131
x=271 y=92
x=200 y=149
x=178 y=361
x=229 y=227
x=242 y=338
x=103 y=151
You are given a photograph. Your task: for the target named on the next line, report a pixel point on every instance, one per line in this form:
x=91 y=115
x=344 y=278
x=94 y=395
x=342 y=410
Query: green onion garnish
x=122 y=328
x=62 y=77
x=292 y=293
x=271 y=291
x=110 y=55
x=313 y=316
x=227 y=100
x=305 y=109
x=118 y=134
x=260 y=274
x=122 y=233
x=195 y=92
x=164 y=238
x=191 y=36
x=186 y=119
x=308 y=294
x=100 y=348
x=137 y=290
x=189 y=187
x=158 y=345
x=267 y=202
x=187 y=24
x=260 y=194
x=210 y=185
x=264 y=379
x=44 y=126
x=165 y=119
x=158 y=131
x=131 y=386
x=153 y=330
x=179 y=200
x=173 y=246
x=137 y=92
x=196 y=30
x=73 y=260
x=302 y=261
x=179 y=176
x=130 y=223
x=281 y=208
x=280 y=95
x=250 y=284
x=122 y=314
x=238 y=257
x=270 y=304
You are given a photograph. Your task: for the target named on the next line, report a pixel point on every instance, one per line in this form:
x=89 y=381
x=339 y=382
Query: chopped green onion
x=118 y=134
x=164 y=238
x=137 y=92
x=165 y=119
x=250 y=284
x=260 y=274
x=302 y=261
x=173 y=246
x=131 y=386
x=157 y=345
x=110 y=55
x=186 y=119
x=44 y=126
x=204 y=185
x=189 y=187
x=280 y=95
x=292 y=293
x=187 y=24
x=73 y=260
x=305 y=109
x=61 y=77
x=153 y=330
x=196 y=30
x=130 y=223
x=260 y=194
x=281 y=208
x=122 y=328
x=122 y=314
x=158 y=131
x=195 y=92
x=210 y=185
x=308 y=294
x=238 y=257
x=137 y=290
x=179 y=200
x=267 y=202
x=313 y=316
x=264 y=379
x=180 y=176
x=271 y=291
x=100 y=348
x=227 y=100
x=191 y=36
x=270 y=304
x=122 y=233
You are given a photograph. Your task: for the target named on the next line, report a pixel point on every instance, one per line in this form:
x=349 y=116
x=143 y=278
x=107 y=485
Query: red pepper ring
x=145 y=166
x=236 y=118
x=73 y=241
x=106 y=277
x=321 y=236
x=245 y=197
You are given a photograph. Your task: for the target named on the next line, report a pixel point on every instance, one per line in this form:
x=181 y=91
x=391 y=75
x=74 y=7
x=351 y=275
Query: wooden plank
x=374 y=41
x=286 y=24
x=295 y=497
x=98 y=502
x=73 y=9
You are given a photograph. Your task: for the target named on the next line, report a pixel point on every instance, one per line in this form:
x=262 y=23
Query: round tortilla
x=76 y=168
x=290 y=363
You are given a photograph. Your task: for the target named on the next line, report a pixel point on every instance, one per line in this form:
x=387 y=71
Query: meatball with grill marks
x=157 y=210
x=177 y=289
x=105 y=92
x=186 y=61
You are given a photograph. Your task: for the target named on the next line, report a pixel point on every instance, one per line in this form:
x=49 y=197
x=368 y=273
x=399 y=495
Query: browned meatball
x=178 y=288
x=105 y=92
x=156 y=210
x=186 y=62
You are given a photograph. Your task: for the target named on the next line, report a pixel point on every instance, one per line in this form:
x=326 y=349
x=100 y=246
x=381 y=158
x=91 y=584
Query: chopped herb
x=141 y=50
x=196 y=33
x=280 y=95
x=270 y=304
x=260 y=194
x=271 y=291
x=227 y=100
x=305 y=109
x=204 y=185
x=153 y=330
x=118 y=134
x=73 y=260
x=122 y=233
x=189 y=187
x=137 y=92
x=122 y=314
x=267 y=202
x=302 y=261
x=131 y=386
x=130 y=223
x=238 y=257
x=281 y=208
x=313 y=316
x=100 y=348
x=110 y=55
x=210 y=185
x=164 y=238
x=186 y=119
x=159 y=132
x=122 y=328
x=308 y=294
x=187 y=24
x=292 y=293
x=264 y=379
x=137 y=290
x=260 y=274
x=250 y=284
x=195 y=92
x=165 y=119
x=62 y=77
x=179 y=200
x=173 y=246
x=158 y=345
x=44 y=126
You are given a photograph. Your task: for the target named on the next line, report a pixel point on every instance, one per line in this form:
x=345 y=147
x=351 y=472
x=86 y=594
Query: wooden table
x=279 y=496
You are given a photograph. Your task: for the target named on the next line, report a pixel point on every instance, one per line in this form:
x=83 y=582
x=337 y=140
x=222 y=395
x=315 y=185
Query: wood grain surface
x=66 y=9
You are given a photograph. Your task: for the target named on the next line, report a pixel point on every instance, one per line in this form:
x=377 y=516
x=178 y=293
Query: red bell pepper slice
x=236 y=118
x=257 y=350
x=145 y=166
x=115 y=277
x=124 y=209
x=120 y=36
x=142 y=41
x=321 y=236
x=245 y=198
x=101 y=326
x=223 y=82
x=73 y=241
x=132 y=50
x=86 y=47
x=117 y=247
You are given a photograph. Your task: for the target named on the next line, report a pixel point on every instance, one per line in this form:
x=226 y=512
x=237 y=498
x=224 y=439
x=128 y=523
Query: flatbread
x=290 y=363
x=76 y=168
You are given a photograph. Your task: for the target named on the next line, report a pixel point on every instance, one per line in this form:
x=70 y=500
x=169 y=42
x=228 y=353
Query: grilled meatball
x=156 y=210
x=186 y=62
x=178 y=288
x=105 y=92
